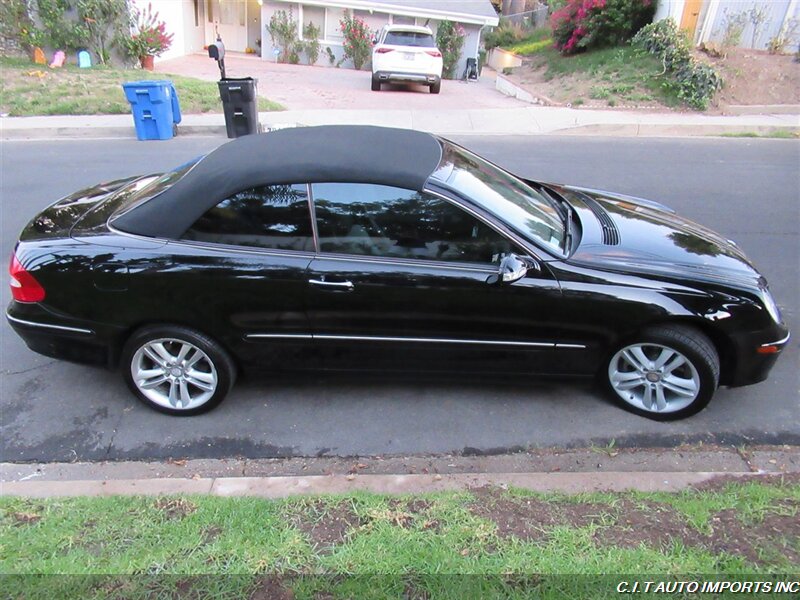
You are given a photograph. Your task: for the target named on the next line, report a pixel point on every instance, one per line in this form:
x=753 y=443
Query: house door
x=691 y=12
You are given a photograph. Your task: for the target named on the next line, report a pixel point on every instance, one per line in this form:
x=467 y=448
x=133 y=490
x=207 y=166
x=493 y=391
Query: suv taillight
x=24 y=287
x=434 y=53
x=383 y=50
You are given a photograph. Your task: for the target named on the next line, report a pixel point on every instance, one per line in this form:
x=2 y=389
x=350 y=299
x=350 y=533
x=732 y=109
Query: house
x=757 y=21
x=473 y=15
x=242 y=23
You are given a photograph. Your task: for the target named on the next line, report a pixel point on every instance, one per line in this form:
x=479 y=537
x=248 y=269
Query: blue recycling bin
x=155 y=108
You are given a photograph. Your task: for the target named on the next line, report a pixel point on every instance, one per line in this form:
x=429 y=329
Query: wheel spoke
x=206 y=386
x=151 y=354
x=662 y=359
x=661 y=401
x=627 y=380
x=184 y=390
x=192 y=359
x=636 y=358
x=159 y=349
x=647 y=398
x=678 y=361
x=682 y=387
x=185 y=348
x=146 y=374
x=154 y=382
x=173 y=394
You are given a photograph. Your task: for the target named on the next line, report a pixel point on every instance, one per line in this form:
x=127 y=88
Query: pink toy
x=58 y=59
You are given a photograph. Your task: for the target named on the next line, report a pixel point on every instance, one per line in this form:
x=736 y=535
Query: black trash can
x=239 y=103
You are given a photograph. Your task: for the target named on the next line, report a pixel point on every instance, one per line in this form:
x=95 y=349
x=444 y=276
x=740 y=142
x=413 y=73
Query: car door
x=242 y=273
x=407 y=280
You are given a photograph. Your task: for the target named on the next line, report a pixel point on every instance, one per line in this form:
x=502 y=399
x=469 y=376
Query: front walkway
x=301 y=87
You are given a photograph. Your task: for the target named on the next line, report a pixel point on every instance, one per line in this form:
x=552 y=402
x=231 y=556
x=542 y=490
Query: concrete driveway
x=301 y=87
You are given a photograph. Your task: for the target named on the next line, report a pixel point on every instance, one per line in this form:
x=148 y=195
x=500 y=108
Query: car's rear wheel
x=664 y=373
x=176 y=370
x=436 y=87
x=376 y=84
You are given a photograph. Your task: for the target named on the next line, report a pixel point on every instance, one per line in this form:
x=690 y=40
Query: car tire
x=436 y=87
x=664 y=373
x=376 y=84
x=176 y=370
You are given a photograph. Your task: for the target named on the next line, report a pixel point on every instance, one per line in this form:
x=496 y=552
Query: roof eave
x=405 y=11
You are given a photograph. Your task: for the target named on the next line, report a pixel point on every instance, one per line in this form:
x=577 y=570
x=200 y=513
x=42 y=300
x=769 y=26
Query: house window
x=332 y=29
x=402 y=20
x=316 y=16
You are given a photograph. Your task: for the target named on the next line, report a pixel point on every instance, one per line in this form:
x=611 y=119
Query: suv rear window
x=409 y=38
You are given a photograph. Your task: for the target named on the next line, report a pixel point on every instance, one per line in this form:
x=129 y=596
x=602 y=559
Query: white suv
x=406 y=54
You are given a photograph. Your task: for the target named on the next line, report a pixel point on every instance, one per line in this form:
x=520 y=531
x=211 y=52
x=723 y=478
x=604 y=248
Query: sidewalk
x=567 y=471
x=527 y=120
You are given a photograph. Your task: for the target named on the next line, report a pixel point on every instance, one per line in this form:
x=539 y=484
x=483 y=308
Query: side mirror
x=374 y=41
x=512 y=268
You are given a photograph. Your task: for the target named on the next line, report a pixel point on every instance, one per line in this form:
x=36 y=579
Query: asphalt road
x=747 y=189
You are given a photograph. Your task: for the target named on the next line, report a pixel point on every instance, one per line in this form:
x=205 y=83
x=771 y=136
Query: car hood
x=636 y=235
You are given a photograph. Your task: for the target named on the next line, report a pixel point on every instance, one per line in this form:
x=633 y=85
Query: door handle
x=348 y=285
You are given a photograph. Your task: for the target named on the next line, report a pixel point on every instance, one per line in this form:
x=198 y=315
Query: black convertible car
x=370 y=248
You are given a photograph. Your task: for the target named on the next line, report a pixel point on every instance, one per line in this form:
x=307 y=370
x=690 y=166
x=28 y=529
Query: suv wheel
x=435 y=87
x=376 y=84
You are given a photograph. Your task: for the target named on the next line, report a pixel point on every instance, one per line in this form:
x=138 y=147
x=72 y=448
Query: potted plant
x=148 y=37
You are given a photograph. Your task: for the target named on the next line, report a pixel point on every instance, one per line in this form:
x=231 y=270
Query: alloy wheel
x=654 y=378
x=174 y=373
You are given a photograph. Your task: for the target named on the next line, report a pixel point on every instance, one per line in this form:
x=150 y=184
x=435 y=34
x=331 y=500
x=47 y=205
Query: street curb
x=610 y=129
x=283 y=487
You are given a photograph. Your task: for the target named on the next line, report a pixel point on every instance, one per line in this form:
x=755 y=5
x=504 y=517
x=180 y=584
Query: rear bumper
x=406 y=77
x=61 y=338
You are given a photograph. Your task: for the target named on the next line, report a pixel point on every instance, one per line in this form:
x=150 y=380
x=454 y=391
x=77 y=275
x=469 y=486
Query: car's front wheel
x=176 y=370
x=664 y=373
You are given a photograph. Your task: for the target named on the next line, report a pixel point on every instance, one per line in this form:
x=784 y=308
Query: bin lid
x=147 y=83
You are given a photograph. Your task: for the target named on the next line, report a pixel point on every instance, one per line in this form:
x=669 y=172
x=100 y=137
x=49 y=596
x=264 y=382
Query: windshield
x=516 y=203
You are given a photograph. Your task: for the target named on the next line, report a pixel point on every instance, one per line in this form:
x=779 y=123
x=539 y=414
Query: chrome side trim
x=375 y=338
x=779 y=342
x=369 y=338
x=403 y=262
x=280 y=336
x=48 y=326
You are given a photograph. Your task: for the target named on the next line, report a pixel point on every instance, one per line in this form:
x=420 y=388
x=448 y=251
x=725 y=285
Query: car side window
x=378 y=220
x=267 y=216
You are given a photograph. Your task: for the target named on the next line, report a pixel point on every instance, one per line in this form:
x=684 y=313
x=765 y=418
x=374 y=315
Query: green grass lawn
x=28 y=89
x=482 y=544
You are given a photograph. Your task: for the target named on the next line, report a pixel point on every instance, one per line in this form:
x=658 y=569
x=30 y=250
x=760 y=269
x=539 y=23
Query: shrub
x=357 y=40
x=311 y=35
x=696 y=82
x=450 y=41
x=584 y=24
x=505 y=34
x=282 y=30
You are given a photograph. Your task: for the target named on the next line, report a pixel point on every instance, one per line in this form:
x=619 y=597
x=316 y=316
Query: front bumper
x=405 y=77
x=756 y=355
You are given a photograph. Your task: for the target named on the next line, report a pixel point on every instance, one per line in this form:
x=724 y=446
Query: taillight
x=24 y=287
x=434 y=53
x=383 y=50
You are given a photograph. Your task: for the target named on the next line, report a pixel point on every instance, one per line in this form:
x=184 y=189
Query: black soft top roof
x=331 y=153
